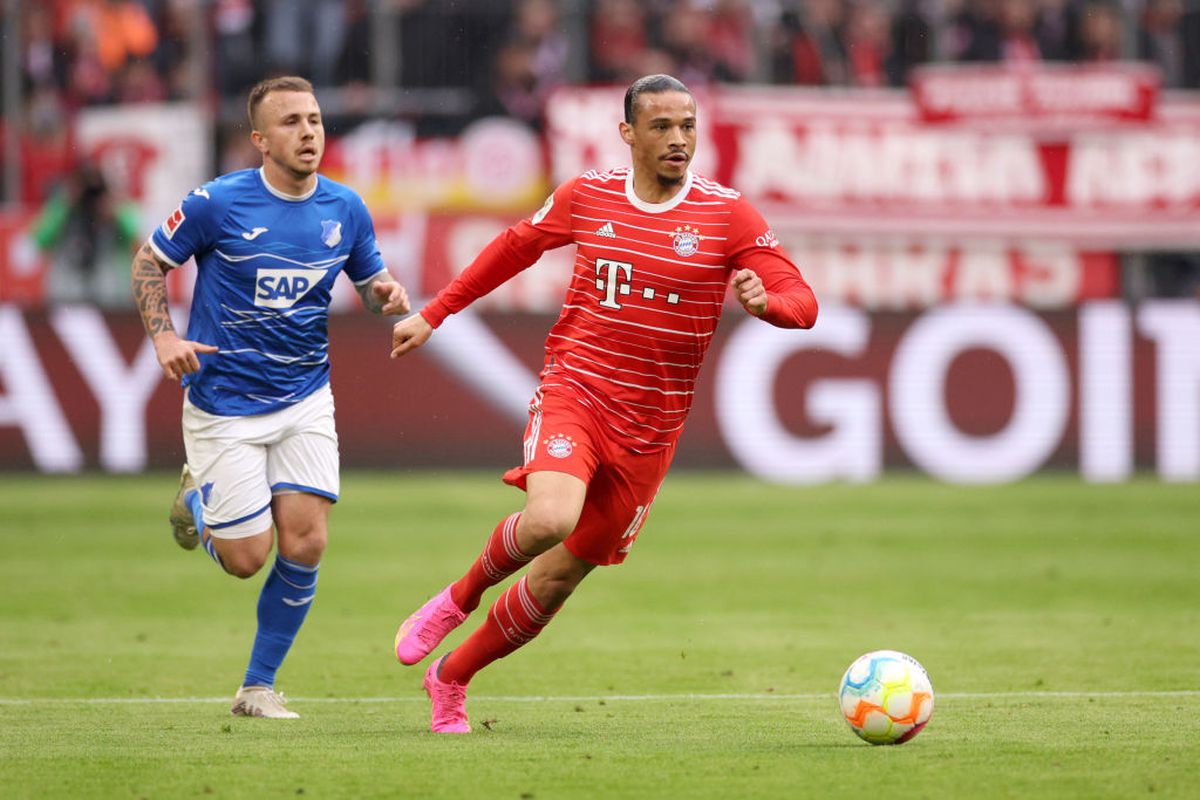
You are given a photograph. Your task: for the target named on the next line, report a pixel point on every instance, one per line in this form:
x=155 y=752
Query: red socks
x=500 y=558
x=514 y=620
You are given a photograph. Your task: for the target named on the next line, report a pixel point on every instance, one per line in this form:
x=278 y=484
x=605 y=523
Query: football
x=886 y=697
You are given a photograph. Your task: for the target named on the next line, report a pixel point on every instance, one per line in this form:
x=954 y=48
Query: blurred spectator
x=972 y=30
x=45 y=142
x=1001 y=31
x=90 y=235
x=1189 y=31
x=235 y=45
x=1161 y=39
x=531 y=64
x=103 y=36
x=140 y=83
x=912 y=38
x=868 y=44
x=175 y=59
x=514 y=90
x=685 y=38
x=306 y=37
x=1101 y=32
x=539 y=23
x=808 y=46
x=1057 y=30
x=354 y=67
x=450 y=44
x=617 y=39
x=731 y=37
x=44 y=61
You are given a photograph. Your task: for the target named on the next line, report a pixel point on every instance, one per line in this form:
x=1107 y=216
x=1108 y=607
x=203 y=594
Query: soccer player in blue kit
x=258 y=414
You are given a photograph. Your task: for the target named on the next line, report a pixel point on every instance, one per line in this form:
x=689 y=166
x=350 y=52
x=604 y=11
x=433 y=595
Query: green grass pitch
x=1060 y=623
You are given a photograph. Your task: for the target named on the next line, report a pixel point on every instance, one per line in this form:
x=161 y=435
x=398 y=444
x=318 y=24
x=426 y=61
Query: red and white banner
x=869 y=163
x=1066 y=96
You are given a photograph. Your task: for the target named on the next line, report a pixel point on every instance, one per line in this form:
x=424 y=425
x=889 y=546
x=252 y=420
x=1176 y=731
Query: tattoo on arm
x=150 y=291
x=369 y=300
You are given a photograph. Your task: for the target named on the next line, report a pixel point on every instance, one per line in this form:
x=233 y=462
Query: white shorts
x=239 y=463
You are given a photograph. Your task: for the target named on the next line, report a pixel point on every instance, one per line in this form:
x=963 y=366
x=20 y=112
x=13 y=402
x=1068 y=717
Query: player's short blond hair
x=284 y=83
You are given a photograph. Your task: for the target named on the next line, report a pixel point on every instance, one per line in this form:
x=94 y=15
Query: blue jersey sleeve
x=192 y=228
x=365 y=259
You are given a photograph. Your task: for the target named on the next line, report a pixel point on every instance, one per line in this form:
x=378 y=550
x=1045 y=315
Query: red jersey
x=645 y=296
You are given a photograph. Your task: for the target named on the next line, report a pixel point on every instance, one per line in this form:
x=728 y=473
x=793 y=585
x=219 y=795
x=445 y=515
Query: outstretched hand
x=179 y=357
x=393 y=297
x=750 y=292
x=409 y=334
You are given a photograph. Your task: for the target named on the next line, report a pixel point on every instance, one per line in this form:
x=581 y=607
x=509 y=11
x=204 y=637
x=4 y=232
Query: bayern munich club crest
x=559 y=445
x=686 y=241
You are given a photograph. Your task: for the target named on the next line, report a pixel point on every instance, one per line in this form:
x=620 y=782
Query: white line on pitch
x=830 y=696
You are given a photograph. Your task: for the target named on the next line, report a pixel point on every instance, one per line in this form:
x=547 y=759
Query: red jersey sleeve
x=790 y=301
x=516 y=249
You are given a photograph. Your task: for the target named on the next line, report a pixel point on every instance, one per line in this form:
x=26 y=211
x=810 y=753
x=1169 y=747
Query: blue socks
x=192 y=499
x=282 y=606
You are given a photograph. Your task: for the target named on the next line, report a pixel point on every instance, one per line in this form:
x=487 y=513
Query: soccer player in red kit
x=657 y=247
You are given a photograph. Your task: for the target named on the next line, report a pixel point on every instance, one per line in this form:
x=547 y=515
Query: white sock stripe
x=512 y=625
x=489 y=568
x=508 y=537
x=528 y=634
x=290 y=583
x=529 y=604
x=296 y=565
x=508 y=541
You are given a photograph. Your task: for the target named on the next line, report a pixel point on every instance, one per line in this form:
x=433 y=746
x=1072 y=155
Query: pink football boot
x=426 y=627
x=449 y=701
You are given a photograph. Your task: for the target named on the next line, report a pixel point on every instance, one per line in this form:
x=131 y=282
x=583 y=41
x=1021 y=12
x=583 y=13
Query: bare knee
x=303 y=526
x=554 y=575
x=242 y=562
x=553 y=503
x=544 y=525
x=305 y=547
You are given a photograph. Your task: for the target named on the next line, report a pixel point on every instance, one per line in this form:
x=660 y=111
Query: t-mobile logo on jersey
x=609 y=276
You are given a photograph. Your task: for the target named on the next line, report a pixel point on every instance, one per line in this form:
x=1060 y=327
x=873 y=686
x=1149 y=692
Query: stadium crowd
x=507 y=55
x=453 y=62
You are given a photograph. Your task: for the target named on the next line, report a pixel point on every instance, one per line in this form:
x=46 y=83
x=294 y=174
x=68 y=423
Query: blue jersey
x=266 y=263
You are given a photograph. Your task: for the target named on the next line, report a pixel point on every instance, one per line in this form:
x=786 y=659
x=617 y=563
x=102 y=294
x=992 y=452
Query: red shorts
x=564 y=436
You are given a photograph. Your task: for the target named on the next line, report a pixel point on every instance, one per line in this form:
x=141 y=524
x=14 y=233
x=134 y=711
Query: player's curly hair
x=650 y=84
x=284 y=83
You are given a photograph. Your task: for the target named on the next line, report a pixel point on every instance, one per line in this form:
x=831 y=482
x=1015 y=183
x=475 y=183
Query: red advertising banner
x=1063 y=95
x=969 y=392
x=868 y=163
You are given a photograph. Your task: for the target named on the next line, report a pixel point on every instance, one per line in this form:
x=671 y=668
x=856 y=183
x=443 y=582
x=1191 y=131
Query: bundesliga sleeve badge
x=173 y=222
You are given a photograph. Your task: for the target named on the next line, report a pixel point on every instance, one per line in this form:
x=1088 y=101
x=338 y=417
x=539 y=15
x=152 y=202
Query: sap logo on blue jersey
x=281 y=288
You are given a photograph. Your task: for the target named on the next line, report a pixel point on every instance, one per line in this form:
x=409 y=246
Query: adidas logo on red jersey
x=606 y=230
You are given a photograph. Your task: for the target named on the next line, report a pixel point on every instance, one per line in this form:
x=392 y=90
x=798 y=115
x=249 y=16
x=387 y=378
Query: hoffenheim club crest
x=331 y=232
